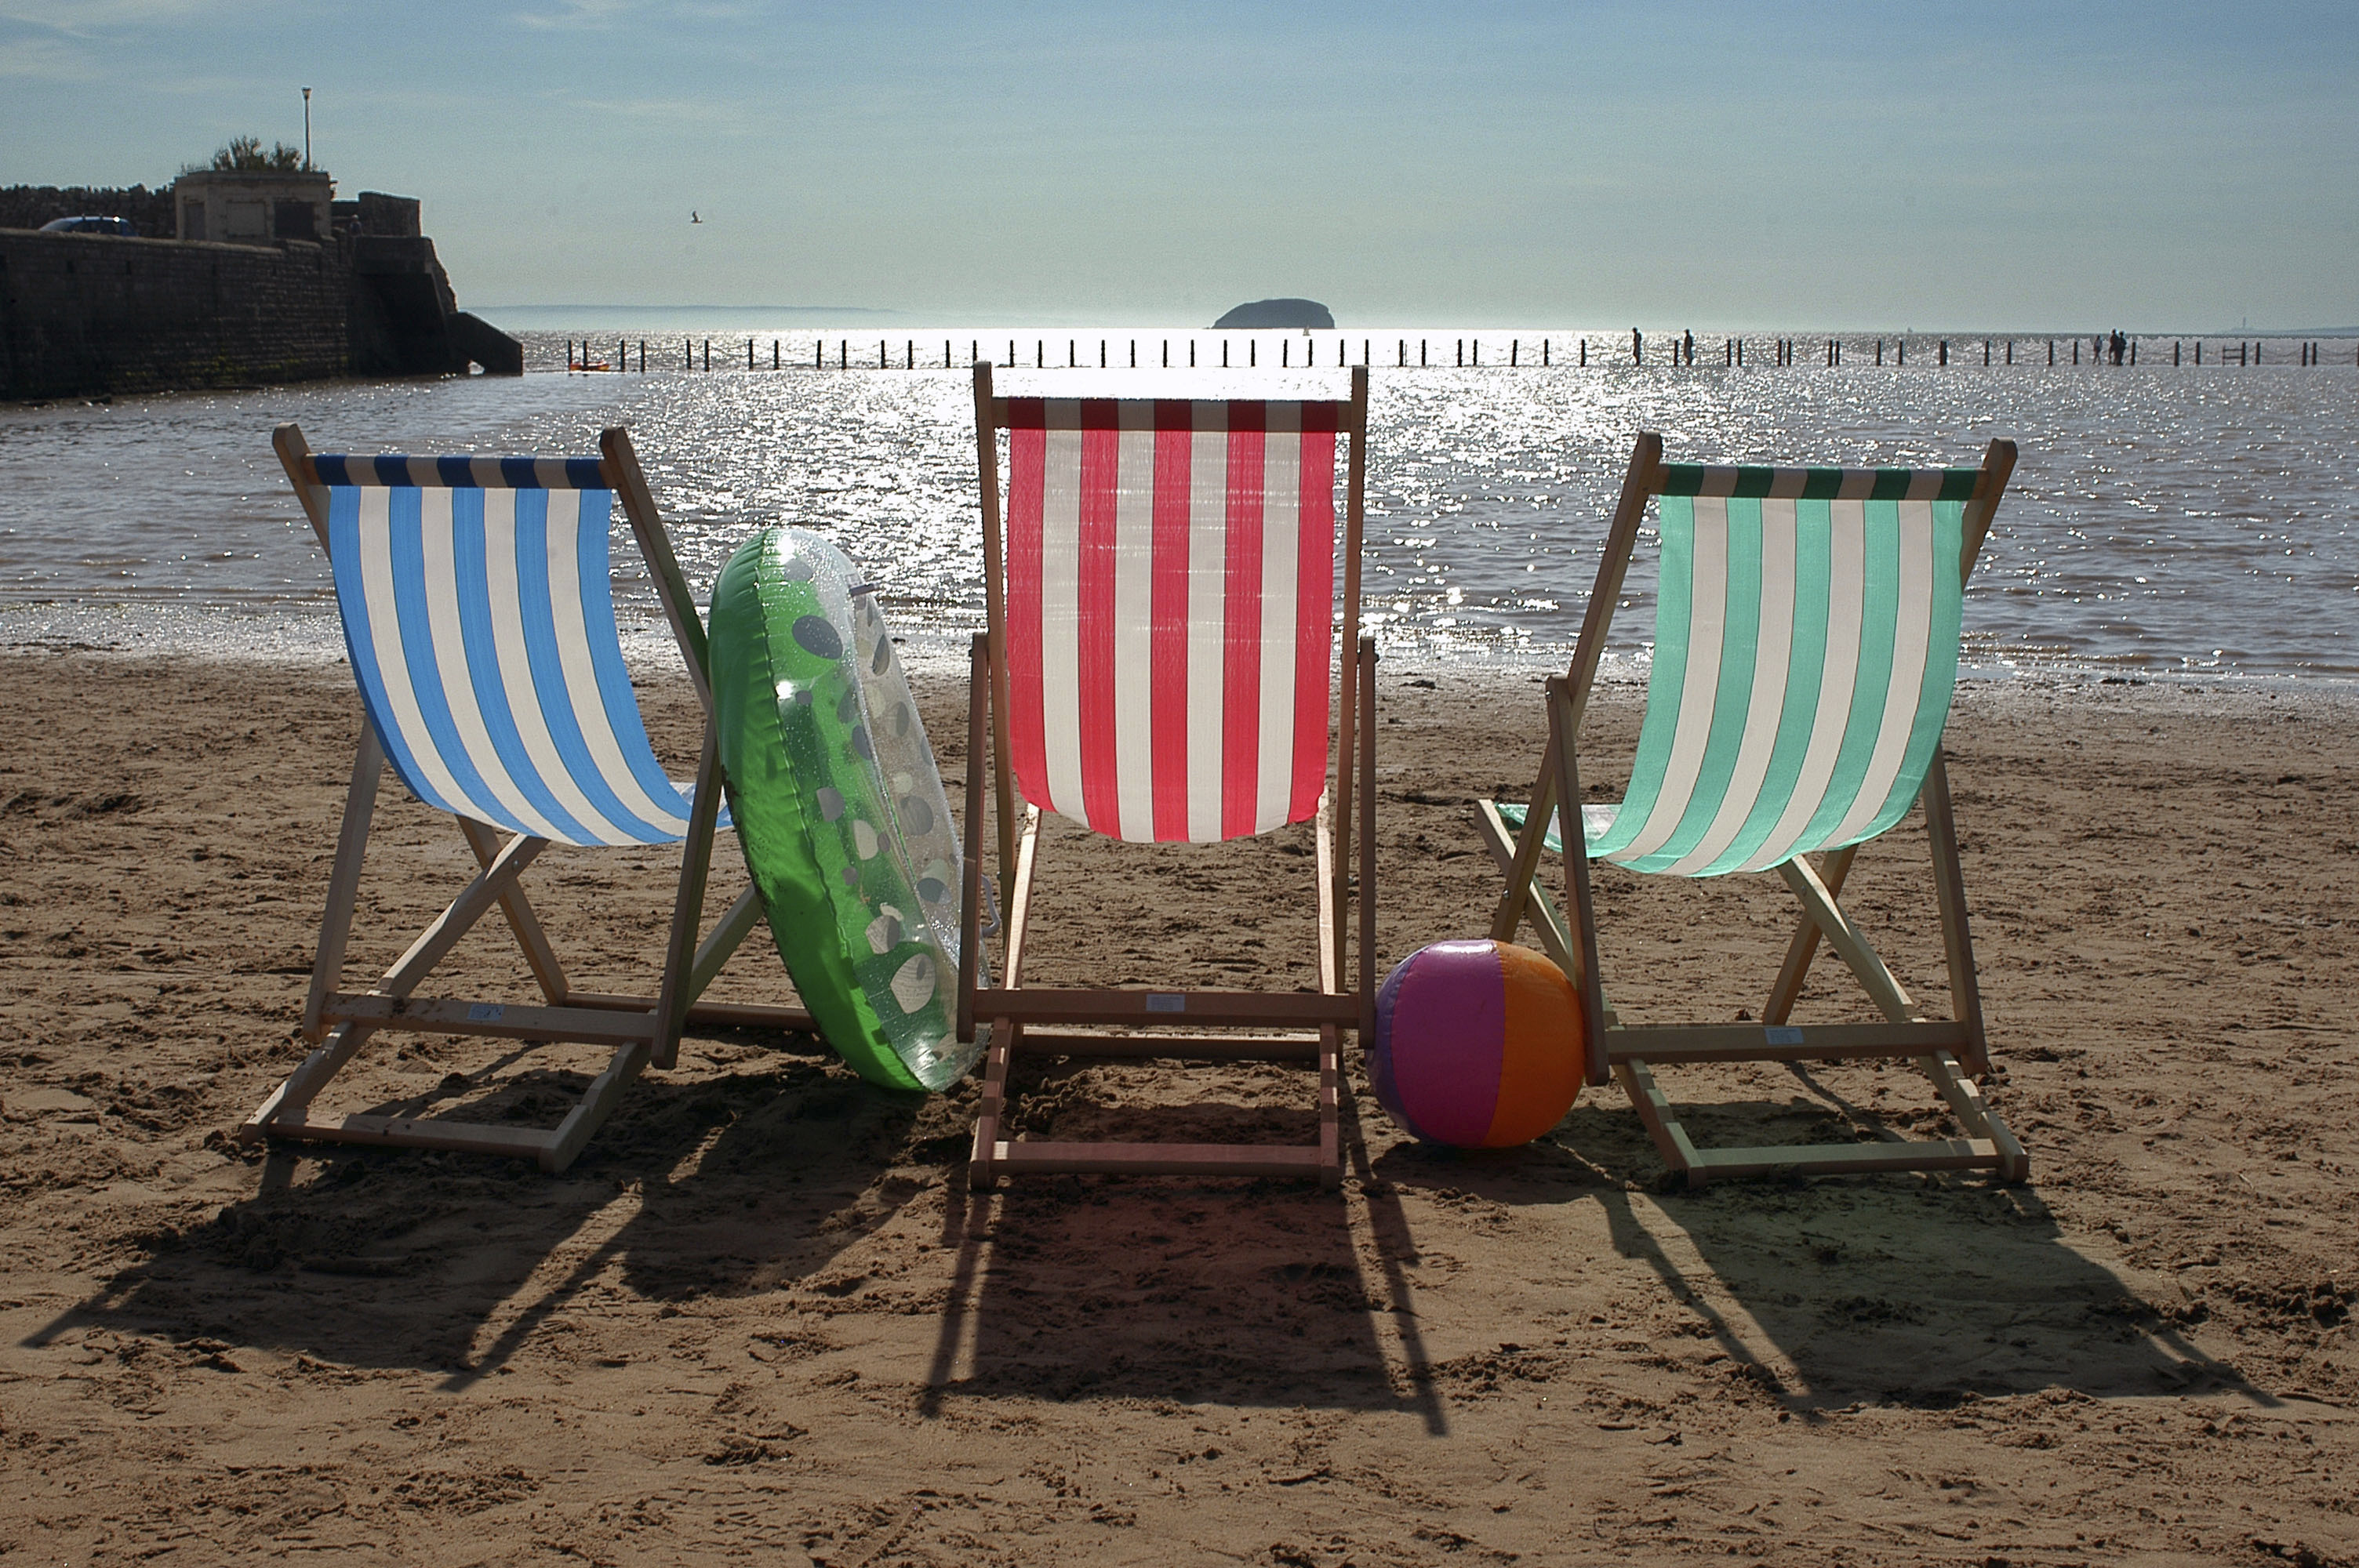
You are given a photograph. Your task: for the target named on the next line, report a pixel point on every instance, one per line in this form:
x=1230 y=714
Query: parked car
x=90 y=224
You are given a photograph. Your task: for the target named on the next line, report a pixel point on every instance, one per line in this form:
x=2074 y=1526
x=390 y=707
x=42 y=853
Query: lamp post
x=306 y=128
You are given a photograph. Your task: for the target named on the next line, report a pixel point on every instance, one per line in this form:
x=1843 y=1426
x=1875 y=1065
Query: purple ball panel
x=1380 y=1050
x=1448 y=1025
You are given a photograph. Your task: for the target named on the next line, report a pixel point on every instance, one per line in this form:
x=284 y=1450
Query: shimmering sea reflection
x=2163 y=520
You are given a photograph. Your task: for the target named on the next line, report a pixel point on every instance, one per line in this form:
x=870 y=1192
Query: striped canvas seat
x=1171 y=611
x=1806 y=651
x=479 y=613
x=1806 y=648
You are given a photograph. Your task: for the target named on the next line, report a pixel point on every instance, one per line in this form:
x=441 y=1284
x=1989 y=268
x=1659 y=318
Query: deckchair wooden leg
x=1331 y=1104
x=1572 y=943
x=688 y=905
x=521 y=917
x=994 y=606
x=1638 y=482
x=1788 y=990
x=472 y=905
x=721 y=943
x=345 y=880
x=1556 y=936
x=432 y=944
x=292 y=1099
x=597 y=1103
x=1848 y=942
x=1329 y=894
x=1973 y=1113
x=1679 y=1151
x=971 y=964
x=1522 y=862
x=1368 y=893
x=982 y=1170
x=982 y=1164
x=1949 y=892
x=1584 y=977
x=1334 y=826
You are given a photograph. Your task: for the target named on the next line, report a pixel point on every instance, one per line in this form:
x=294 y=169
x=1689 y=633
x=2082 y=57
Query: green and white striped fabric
x=1806 y=648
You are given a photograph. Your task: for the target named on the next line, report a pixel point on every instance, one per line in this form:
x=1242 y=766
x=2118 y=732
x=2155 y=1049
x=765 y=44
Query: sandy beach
x=763 y=1315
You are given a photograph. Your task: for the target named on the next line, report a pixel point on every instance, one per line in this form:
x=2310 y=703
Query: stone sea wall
x=84 y=314
x=91 y=315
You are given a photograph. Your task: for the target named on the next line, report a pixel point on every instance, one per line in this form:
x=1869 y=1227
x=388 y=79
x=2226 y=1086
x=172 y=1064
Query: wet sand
x=763 y=1314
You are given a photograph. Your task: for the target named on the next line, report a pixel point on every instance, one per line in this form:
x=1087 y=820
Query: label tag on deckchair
x=1780 y=1034
x=485 y=1012
x=1167 y=1001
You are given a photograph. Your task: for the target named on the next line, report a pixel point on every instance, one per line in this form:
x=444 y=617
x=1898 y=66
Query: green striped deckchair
x=1806 y=648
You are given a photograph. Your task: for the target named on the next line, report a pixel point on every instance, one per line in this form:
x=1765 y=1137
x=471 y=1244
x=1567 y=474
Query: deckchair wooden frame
x=1128 y=1023
x=1946 y=1050
x=642 y=1029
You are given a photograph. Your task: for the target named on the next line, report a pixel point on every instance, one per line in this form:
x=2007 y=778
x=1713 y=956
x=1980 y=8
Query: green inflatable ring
x=839 y=807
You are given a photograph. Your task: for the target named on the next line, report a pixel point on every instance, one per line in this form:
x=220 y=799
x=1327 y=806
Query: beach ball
x=1478 y=1045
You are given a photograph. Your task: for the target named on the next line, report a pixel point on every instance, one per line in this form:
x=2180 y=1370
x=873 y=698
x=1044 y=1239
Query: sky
x=2058 y=167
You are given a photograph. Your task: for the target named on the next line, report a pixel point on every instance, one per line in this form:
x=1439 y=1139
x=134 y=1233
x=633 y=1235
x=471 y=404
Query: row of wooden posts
x=1785 y=351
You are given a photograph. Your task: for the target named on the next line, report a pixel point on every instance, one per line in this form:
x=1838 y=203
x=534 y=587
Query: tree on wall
x=245 y=155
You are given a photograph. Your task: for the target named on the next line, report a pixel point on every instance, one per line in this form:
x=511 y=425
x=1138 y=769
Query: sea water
x=2163 y=520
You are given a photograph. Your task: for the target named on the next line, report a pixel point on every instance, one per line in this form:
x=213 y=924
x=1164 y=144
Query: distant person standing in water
x=2120 y=346
x=1688 y=340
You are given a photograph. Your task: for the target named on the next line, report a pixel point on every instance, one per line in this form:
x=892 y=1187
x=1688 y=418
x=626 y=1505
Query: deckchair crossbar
x=1776 y=1043
x=1211 y=1008
x=1163 y=413
x=1270 y=1047
x=510 y=1021
x=1160 y=1159
x=397 y=470
x=1818 y=484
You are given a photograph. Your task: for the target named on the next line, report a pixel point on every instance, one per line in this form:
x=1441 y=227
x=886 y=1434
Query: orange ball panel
x=1545 y=1052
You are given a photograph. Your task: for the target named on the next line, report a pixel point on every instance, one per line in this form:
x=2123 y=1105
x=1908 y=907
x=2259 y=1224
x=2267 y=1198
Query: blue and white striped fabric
x=480 y=619
x=1806 y=649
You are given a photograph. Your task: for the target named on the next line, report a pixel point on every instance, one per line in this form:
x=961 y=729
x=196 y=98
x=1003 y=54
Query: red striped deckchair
x=1159 y=667
x=1806 y=646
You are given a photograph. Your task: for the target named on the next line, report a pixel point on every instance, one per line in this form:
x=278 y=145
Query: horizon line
x=912 y=322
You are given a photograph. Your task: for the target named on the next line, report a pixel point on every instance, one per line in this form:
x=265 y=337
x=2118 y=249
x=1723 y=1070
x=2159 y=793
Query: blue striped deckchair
x=1806 y=647
x=479 y=617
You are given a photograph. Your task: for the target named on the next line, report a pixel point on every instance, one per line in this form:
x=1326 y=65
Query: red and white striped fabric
x=1171 y=611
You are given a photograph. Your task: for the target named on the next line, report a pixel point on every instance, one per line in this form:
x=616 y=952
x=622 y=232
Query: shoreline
x=310 y=636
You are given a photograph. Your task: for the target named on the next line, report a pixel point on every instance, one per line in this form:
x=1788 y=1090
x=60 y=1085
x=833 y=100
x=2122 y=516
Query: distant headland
x=1263 y=314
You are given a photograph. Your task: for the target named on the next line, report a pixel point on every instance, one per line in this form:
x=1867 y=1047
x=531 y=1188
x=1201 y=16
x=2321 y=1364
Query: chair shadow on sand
x=1253 y=1292
x=393 y=1258
x=1899 y=1289
x=1920 y=1289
